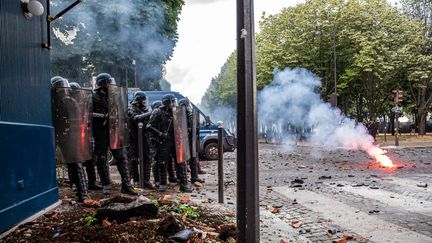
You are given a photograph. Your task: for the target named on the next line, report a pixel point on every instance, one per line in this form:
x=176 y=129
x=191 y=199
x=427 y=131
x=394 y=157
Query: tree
x=130 y=39
x=419 y=70
x=372 y=42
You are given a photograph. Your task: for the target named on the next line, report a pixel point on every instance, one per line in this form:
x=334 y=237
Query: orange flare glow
x=379 y=155
x=384 y=161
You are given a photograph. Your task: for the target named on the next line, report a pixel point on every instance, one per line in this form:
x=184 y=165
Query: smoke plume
x=292 y=107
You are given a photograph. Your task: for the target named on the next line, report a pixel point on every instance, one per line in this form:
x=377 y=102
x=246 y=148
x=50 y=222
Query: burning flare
x=379 y=155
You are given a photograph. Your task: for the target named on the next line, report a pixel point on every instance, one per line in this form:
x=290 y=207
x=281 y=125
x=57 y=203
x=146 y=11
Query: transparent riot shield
x=181 y=134
x=197 y=141
x=117 y=115
x=194 y=136
x=72 y=122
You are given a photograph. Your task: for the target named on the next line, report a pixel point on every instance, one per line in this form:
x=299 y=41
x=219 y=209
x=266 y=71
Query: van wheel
x=211 y=151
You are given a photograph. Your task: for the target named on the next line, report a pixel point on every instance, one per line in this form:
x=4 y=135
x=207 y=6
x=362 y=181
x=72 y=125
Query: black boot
x=146 y=174
x=163 y=175
x=200 y=171
x=194 y=171
x=77 y=172
x=91 y=175
x=171 y=172
x=123 y=168
x=103 y=171
x=134 y=171
x=184 y=184
x=156 y=175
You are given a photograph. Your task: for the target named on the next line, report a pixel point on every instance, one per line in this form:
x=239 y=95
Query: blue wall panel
x=27 y=174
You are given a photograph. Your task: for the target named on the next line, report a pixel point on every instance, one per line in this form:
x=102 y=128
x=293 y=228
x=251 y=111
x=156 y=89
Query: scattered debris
x=295 y=223
x=274 y=210
x=182 y=236
x=423 y=185
x=121 y=212
x=227 y=230
x=374 y=187
x=324 y=177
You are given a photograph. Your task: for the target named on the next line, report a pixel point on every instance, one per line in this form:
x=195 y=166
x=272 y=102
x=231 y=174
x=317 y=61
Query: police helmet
x=103 y=79
x=75 y=85
x=168 y=99
x=59 y=82
x=184 y=101
x=156 y=104
x=140 y=95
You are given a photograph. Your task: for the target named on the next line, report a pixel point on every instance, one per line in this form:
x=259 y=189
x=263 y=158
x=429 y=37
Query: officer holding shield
x=191 y=125
x=163 y=125
x=138 y=112
x=105 y=117
x=70 y=110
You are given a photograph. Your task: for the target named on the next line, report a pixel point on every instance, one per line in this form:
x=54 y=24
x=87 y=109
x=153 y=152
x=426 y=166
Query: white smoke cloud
x=293 y=105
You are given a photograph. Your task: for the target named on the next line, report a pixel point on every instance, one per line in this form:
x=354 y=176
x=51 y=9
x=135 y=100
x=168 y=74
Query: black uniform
x=139 y=114
x=64 y=110
x=101 y=139
x=161 y=124
x=193 y=162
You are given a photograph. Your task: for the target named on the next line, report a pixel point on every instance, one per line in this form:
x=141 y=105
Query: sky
x=206 y=39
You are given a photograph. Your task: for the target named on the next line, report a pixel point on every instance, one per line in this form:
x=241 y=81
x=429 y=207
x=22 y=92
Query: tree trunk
x=422 y=120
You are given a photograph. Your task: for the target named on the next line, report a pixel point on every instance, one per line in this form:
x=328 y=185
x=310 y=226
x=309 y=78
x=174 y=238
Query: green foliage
x=131 y=40
x=377 y=47
x=89 y=220
x=223 y=88
x=191 y=212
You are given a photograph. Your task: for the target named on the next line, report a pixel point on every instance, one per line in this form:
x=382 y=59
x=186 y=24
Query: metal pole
x=335 y=73
x=247 y=149
x=220 y=163
x=397 y=129
x=141 y=154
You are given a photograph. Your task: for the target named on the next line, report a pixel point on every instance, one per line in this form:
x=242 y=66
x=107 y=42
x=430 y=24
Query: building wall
x=27 y=158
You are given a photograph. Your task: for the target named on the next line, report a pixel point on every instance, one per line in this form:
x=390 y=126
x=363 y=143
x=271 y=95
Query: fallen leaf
x=92 y=203
x=198 y=184
x=343 y=240
x=184 y=217
x=329 y=234
x=167 y=198
x=106 y=223
x=282 y=241
x=295 y=223
x=185 y=199
x=274 y=210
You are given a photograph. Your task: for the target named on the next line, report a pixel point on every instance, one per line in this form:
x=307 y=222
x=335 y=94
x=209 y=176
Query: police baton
x=141 y=154
x=220 y=163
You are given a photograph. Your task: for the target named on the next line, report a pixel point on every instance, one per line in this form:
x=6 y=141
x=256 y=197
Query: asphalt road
x=306 y=191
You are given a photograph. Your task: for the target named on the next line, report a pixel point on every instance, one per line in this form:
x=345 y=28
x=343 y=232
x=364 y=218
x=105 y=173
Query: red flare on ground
x=379 y=155
x=384 y=161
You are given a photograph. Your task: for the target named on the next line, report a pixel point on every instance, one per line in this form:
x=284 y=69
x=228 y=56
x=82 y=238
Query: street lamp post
x=247 y=145
x=335 y=73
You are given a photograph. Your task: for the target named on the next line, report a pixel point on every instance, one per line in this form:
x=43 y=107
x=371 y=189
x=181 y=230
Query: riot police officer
x=153 y=147
x=161 y=123
x=65 y=113
x=193 y=162
x=138 y=112
x=88 y=164
x=101 y=135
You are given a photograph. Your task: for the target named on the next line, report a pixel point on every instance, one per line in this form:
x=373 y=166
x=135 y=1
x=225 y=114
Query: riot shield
x=72 y=122
x=117 y=117
x=194 y=136
x=197 y=131
x=181 y=134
